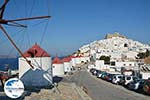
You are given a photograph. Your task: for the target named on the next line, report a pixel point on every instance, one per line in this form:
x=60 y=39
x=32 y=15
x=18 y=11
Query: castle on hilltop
x=116 y=34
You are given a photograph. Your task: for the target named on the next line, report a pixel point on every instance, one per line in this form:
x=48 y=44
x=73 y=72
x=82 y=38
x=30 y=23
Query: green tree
x=141 y=55
x=147 y=54
x=144 y=55
x=106 y=59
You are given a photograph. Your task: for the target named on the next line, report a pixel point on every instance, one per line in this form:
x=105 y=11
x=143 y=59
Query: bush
x=144 y=55
x=106 y=59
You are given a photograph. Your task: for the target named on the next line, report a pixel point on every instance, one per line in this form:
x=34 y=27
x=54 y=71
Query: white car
x=117 y=78
x=99 y=75
x=94 y=73
x=129 y=79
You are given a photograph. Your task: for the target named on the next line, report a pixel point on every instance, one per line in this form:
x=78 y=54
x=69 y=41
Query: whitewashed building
x=84 y=49
x=99 y=64
x=58 y=67
x=145 y=71
x=78 y=59
x=75 y=60
x=84 y=59
x=116 y=47
x=67 y=64
x=41 y=75
x=128 y=65
x=145 y=75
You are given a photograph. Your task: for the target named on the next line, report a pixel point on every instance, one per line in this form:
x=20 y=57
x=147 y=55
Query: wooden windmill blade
x=12 y=42
x=28 y=18
x=13 y=21
x=2 y=9
x=5 y=3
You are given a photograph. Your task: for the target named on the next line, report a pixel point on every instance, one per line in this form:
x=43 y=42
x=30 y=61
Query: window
x=119 y=76
x=125 y=45
x=114 y=77
x=128 y=78
x=113 y=63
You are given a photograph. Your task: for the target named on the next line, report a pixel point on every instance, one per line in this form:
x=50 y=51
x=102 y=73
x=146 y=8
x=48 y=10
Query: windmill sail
x=14 y=23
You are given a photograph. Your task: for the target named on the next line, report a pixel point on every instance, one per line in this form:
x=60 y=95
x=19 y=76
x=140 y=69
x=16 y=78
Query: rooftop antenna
x=14 y=22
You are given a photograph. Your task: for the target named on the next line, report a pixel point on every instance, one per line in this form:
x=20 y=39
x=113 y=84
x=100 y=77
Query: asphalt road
x=98 y=89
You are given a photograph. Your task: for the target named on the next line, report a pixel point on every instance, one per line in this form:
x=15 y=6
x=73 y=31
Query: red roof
x=80 y=56
x=57 y=61
x=76 y=56
x=67 y=59
x=73 y=56
x=36 y=51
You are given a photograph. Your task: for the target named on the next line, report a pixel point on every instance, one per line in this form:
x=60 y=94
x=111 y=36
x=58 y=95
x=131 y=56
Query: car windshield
x=128 y=78
x=148 y=82
x=136 y=78
x=119 y=76
x=136 y=81
x=142 y=81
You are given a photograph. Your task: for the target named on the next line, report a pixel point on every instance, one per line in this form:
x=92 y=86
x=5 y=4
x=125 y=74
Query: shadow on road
x=57 y=79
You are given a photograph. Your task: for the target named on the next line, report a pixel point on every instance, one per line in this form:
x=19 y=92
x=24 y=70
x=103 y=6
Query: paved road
x=101 y=90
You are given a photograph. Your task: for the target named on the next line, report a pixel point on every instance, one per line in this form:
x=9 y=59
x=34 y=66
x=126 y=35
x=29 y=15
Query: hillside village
x=119 y=48
x=122 y=52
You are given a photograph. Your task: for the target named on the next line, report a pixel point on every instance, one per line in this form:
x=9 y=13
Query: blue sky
x=75 y=23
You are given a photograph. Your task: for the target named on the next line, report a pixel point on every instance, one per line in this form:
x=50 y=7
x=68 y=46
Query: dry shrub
x=147 y=60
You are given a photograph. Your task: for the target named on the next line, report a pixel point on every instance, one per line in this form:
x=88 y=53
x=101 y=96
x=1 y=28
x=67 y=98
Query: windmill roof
x=57 y=61
x=36 y=51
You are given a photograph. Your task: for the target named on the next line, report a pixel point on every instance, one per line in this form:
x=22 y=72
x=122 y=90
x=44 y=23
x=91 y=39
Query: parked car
x=122 y=81
x=129 y=79
x=99 y=75
x=136 y=85
x=92 y=70
x=3 y=77
x=98 y=72
x=95 y=72
x=117 y=78
x=104 y=76
x=109 y=77
x=146 y=87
